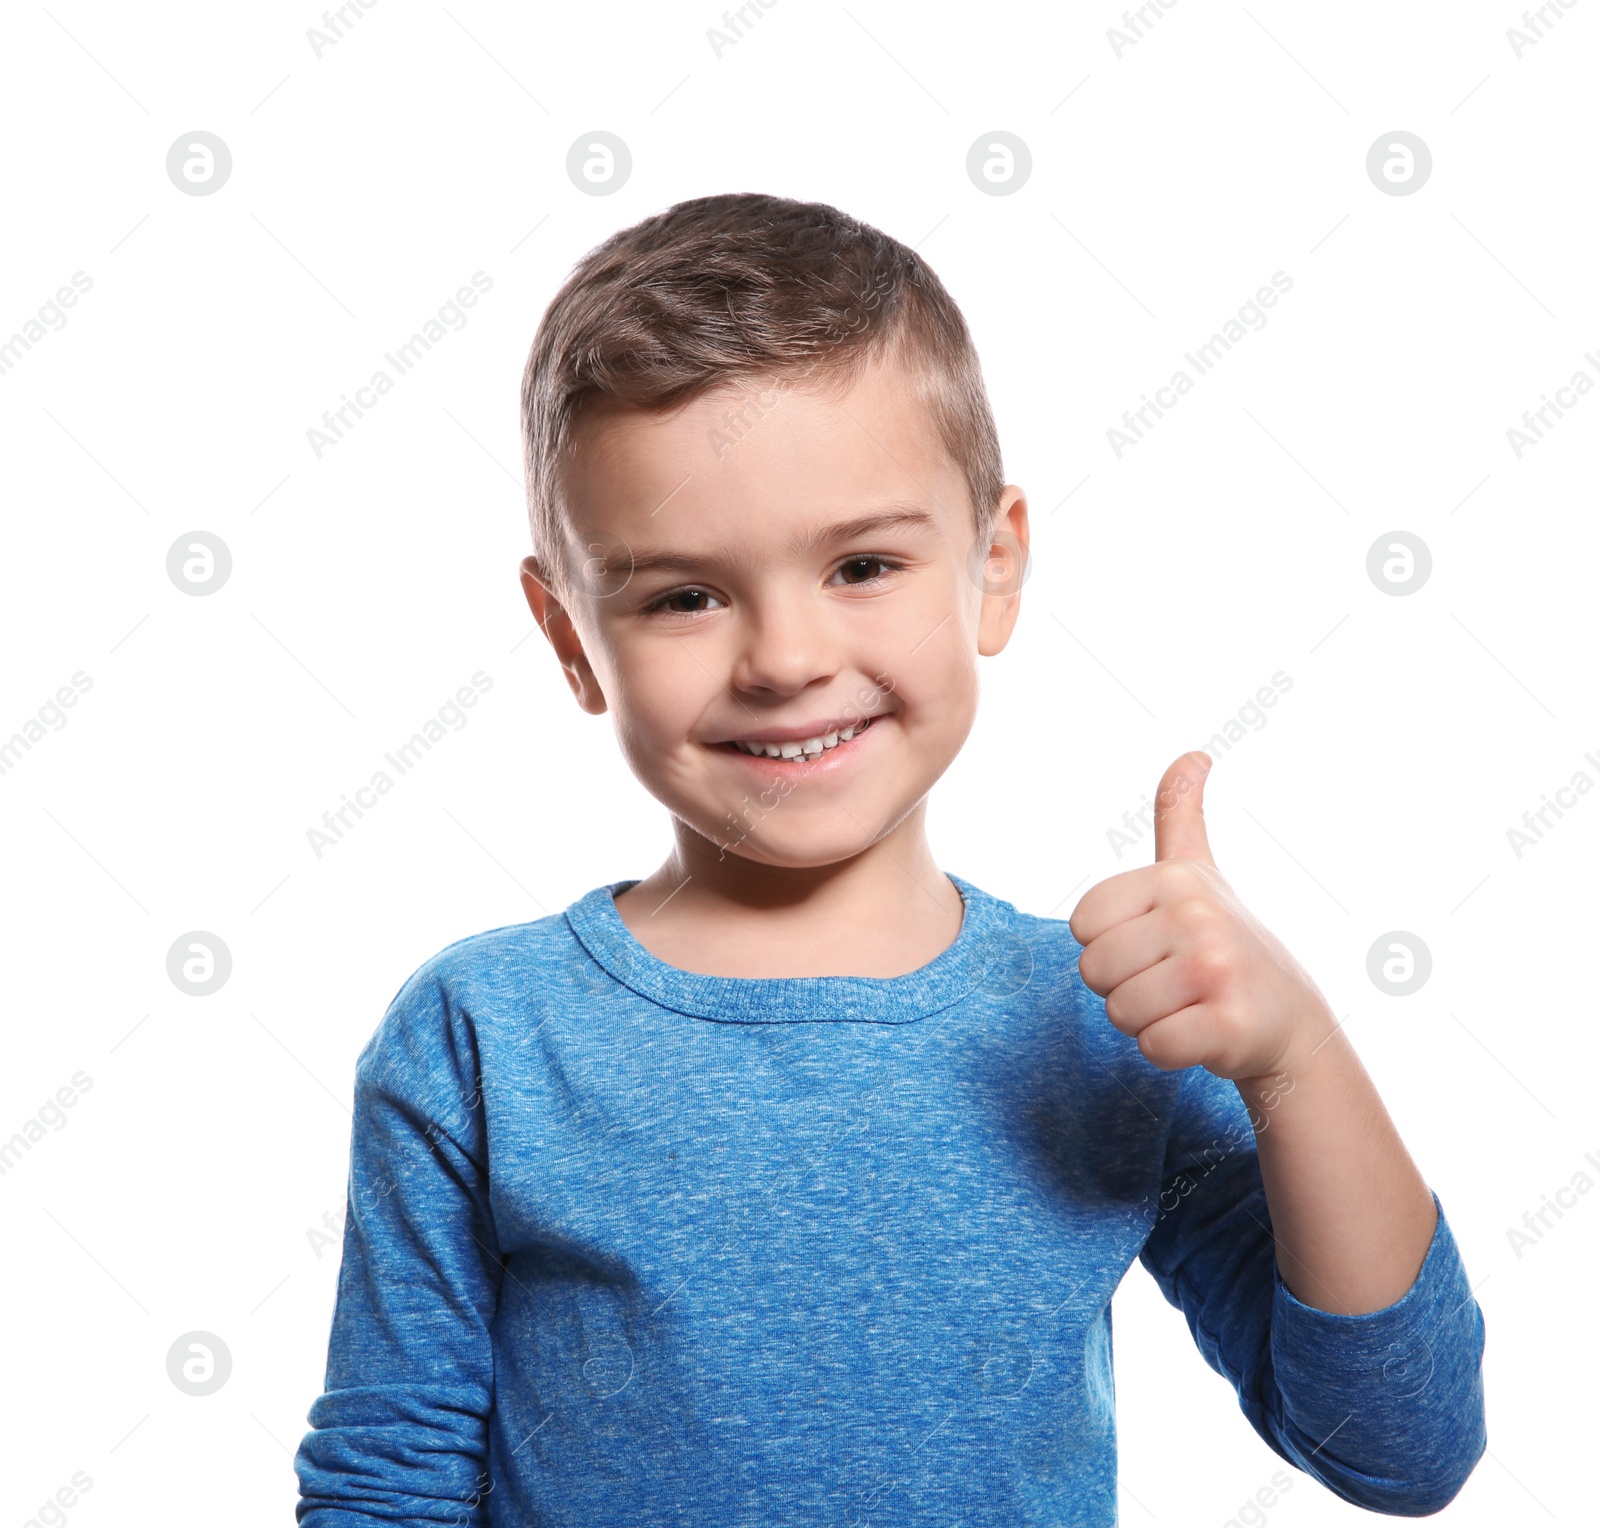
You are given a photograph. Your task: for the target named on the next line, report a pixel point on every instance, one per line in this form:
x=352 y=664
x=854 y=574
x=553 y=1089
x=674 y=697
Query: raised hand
x=1182 y=964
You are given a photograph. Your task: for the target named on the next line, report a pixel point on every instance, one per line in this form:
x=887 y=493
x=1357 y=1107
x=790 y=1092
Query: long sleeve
x=1384 y=1408
x=401 y=1428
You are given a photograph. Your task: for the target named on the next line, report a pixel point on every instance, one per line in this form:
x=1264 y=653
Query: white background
x=1168 y=184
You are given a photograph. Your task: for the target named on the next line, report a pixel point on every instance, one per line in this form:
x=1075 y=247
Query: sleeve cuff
x=1393 y=1340
x=1386 y=1407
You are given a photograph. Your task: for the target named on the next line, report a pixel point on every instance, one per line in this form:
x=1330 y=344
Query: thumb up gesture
x=1183 y=966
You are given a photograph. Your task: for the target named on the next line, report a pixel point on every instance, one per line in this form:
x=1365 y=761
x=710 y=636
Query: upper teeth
x=809 y=747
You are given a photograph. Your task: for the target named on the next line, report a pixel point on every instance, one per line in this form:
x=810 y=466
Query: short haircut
x=723 y=288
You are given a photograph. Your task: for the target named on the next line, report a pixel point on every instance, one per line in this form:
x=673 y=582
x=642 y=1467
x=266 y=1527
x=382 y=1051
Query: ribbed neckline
x=947 y=978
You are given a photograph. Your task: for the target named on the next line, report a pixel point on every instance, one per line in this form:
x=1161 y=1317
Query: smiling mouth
x=802 y=750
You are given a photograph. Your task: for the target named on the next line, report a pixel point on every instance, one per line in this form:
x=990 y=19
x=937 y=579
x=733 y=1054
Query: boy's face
x=792 y=607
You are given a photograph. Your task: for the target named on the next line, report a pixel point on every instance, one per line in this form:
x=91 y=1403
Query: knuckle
x=1210 y=962
x=1152 y=1048
x=1175 y=879
x=1120 y=1019
x=1194 y=915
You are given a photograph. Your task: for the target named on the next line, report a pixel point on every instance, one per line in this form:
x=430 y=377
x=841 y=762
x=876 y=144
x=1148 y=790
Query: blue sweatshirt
x=631 y=1245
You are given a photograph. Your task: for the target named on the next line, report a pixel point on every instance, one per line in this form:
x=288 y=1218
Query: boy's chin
x=784 y=853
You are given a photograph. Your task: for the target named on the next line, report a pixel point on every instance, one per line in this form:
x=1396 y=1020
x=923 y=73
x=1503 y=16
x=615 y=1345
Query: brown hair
x=740 y=285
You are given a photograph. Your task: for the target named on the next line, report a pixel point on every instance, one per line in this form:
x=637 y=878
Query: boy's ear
x=557 y=625
x=1005 y=569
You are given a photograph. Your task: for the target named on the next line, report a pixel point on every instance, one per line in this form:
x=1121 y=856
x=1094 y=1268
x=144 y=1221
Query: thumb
x=1180 y=818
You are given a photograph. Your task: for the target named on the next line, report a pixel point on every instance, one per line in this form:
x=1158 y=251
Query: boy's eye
x=860 y=571
x=851 y=564
x=664 y=605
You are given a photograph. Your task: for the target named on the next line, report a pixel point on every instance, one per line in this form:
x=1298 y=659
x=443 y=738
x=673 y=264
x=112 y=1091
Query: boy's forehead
x=756 y=458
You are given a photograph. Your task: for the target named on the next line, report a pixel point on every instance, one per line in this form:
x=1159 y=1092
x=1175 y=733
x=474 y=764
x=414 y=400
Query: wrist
x=1310 y=1045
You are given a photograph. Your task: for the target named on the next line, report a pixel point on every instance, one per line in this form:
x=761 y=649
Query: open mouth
x=802 y=750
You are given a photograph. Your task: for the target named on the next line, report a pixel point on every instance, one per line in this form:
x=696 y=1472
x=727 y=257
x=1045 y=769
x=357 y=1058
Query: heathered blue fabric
x=631 y=1245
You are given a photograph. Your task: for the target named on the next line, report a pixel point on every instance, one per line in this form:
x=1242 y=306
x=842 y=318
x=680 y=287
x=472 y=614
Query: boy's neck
x=885 y=912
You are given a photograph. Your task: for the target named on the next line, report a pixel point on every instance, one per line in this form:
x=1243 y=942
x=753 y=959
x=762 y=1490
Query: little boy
x=791 y=1184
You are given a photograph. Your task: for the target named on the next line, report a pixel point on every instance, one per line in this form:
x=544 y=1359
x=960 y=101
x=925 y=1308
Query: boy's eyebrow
x=894 y=516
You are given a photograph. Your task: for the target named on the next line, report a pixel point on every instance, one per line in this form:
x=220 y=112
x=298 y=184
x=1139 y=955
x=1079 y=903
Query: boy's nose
x=784 y=646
